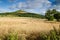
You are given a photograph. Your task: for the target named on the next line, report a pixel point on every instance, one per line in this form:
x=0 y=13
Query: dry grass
x=25 y=25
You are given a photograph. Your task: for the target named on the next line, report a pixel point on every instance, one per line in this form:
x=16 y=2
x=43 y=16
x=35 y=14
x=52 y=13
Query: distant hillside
x=21 y=13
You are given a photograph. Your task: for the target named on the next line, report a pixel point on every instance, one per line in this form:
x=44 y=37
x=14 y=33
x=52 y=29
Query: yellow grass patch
x=25 y=25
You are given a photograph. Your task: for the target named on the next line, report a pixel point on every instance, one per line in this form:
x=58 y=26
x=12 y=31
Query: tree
x=53 y=11
x=57 y=16
x=49 y=15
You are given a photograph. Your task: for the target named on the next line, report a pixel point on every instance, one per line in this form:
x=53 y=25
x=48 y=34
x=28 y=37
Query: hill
x=21 y=13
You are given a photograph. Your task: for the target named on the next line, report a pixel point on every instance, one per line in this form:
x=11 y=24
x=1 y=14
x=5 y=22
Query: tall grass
x=51 y=35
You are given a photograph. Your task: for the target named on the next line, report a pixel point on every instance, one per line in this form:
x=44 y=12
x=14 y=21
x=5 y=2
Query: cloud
x=12 y=7
x=57 y=7
x=21 y=5
x=37 y=4
x=33 y=4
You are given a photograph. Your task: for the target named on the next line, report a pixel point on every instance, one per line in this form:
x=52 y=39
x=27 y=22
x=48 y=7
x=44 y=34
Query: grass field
x=24 y=24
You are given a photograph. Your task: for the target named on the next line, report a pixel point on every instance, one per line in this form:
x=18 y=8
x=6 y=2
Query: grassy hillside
x=21 y=13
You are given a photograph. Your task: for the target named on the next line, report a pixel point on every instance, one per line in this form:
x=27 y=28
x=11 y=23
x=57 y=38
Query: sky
x=35 y=6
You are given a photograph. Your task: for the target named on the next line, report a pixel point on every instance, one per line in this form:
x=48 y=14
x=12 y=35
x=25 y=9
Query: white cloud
x=28 y=4
x=38 y=3
x=21 y=5
x=57 y=7
x=12 y=7
x=43 y=5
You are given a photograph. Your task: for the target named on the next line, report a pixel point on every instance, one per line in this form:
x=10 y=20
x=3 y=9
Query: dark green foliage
x=30 y=15
x=49 y=15
x=53 y=11
x=52 y=14
x=57 y=16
